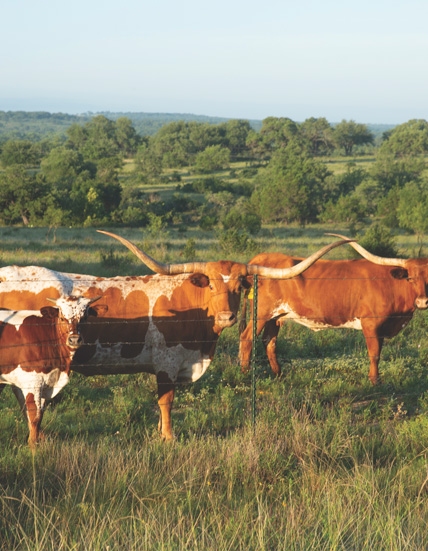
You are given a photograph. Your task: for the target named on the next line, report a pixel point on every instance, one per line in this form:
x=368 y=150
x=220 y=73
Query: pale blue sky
x=365 y=60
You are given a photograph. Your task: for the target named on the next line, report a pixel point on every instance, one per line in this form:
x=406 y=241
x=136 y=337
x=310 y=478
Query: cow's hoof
x=167 y=437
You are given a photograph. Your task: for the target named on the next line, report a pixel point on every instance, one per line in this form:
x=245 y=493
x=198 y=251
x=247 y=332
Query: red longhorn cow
x=165 y=324
x=36 y=350
x=376 y=295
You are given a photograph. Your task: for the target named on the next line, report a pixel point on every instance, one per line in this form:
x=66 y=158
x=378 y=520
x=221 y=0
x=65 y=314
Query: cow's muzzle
x=74 y=341
x=421 y=303
x=225 y=319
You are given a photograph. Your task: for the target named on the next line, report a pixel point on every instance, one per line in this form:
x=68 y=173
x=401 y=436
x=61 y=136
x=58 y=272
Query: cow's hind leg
x=165 y=399
x=246 y=343
x=270 y=334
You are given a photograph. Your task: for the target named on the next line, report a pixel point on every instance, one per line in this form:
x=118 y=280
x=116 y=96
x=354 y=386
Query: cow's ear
x=98 y=310
x=49 y=312
x=199 y=280
x=399 y=273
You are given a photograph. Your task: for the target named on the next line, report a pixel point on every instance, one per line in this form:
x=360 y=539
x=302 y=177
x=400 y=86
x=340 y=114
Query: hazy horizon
x=173 y=113
x=365 y=62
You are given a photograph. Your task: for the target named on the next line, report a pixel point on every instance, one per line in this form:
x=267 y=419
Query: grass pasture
x=333 y=463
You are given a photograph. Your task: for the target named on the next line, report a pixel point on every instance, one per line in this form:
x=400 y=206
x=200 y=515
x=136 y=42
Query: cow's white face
x=225 y=281
x=71 y=311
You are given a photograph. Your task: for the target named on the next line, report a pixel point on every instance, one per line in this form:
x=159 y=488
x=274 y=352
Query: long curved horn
x=94 y=300
x=382 y=261
x=287 y=273
x=158 y=267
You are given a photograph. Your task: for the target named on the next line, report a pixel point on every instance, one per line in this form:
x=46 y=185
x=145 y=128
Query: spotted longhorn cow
x=36 y=350
x=166 y=324
x=375 y=295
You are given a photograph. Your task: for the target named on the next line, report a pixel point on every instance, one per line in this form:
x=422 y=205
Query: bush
x=247 y=221
x=110 y=259
x=249 y=172
x=347 y=209
x=214 y=157
x=204 y=185
x=379 y=240
x=133 y=216
x=234 y=241
x=189 y=251
x=207 y=222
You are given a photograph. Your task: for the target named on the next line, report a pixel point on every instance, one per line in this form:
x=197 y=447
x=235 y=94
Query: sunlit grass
x=332 y=462
x=76 y=249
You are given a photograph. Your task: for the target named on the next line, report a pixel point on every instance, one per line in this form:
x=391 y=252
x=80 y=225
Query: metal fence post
x=254 y=355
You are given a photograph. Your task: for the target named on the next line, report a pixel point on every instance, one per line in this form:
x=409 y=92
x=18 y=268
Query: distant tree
x=107 y=170
x=387 y=208
x=290 y=187
x=133 y=207
x=101 y=139
x=347 y=209
x=22 y=196
x=148 y=164
x=255 y=146
x=126 y=137
x=348 y=134
x=199 y=136
x=412 y=211
x=62 y=166
x=87 y=193
x=42 y=148
x=54 y=217
x=369 y=193
x=20 y=152
x=319 y=133
x=390 y=171
x=214 y=157
x=171 y=144
x=237 y=131
x=406 y=140
x=99 y=199
x=349 y=180
x=76 y=137
x=276 y=133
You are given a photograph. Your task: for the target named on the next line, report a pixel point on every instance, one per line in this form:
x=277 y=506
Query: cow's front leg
x=31 y=407
x=246 y=343
x=165 y=399
x=245 y=347
x=34 y=416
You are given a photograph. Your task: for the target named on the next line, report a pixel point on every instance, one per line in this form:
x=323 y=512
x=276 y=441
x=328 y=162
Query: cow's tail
x=243 y=320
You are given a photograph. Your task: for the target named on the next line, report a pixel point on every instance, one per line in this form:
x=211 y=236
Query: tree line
x=283 y=175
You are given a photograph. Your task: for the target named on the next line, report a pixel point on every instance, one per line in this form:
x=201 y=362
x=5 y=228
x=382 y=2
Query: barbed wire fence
x=254 y=358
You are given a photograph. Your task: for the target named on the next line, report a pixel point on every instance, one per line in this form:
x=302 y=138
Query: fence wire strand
x=95 y=282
